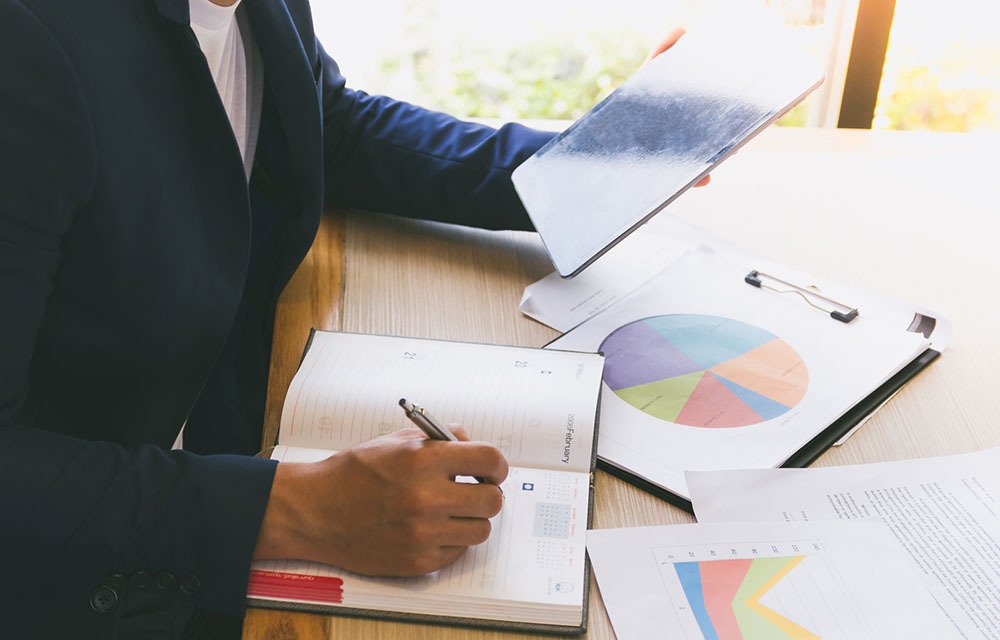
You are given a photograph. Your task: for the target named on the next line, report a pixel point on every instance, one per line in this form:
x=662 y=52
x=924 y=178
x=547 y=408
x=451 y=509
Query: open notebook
x=539 y=407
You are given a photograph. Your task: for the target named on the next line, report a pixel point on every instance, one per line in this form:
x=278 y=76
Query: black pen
x=434 y=429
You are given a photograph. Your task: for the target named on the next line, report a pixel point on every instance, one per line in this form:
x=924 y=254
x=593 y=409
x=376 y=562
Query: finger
x=469 y=500
x=472 y=459
x=410 y=433
x=704 y=181
x=459 y=431
x=447 y=555
x=465 y=532
x=667 y=42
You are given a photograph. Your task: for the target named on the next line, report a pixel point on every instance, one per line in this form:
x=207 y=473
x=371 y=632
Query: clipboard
x=650 y=448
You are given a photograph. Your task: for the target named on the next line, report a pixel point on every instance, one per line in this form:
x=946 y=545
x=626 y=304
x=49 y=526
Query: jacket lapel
x=174 y=10
x=289 y=78
x=288 y=72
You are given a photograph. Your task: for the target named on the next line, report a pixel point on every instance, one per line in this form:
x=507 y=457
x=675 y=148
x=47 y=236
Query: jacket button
x=190 y=585
x=141 y=579
x=165 y=581
x=104 y=599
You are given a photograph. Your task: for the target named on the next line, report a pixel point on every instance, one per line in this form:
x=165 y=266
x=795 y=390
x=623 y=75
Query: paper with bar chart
x=705 y=372
x=942 y=510
x=780 y=581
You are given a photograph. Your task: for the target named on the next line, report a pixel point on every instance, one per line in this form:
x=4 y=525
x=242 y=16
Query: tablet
x=657 y=135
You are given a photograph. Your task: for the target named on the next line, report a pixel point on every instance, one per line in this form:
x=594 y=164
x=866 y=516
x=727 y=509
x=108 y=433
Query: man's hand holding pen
x=390 y=506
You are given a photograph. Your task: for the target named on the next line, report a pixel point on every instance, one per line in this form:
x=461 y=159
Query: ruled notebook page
x=537 y=406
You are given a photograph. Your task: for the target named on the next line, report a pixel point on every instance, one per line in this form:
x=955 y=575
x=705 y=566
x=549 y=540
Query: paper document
x=564 y=303
x=762 y=581
x=943 y=512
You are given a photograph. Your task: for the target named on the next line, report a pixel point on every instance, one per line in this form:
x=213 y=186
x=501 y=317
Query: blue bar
x=690 y=576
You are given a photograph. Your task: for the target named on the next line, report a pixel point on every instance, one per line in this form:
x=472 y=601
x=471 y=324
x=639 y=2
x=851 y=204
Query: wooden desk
x=915 y=216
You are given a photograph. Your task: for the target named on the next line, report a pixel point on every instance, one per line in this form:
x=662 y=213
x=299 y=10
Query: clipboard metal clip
x=842 y=312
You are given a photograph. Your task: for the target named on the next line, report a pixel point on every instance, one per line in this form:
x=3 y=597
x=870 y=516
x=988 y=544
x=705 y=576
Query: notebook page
x=537 y=406
x=534 y=556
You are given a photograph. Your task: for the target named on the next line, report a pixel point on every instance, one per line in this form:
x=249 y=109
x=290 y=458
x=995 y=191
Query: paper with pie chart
x=762 y=581
x=703 y=371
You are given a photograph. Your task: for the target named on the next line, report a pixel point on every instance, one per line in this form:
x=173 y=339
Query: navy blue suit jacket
x=130 y=242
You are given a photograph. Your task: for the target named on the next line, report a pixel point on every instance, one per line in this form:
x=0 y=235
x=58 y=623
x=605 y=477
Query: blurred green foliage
x=549 y=79
x=960 y=92
x=797 y=116
x=552 y=79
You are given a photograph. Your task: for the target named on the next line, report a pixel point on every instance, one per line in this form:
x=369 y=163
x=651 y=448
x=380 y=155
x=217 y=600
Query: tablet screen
x=654 y=137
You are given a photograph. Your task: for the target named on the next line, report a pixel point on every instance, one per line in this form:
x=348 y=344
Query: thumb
x=459 y=431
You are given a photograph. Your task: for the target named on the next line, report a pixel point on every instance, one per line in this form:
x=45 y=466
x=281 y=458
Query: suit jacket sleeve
x=75 y=512
x=394 y=157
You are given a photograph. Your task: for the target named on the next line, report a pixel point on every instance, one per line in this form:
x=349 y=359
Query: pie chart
x=703 y=371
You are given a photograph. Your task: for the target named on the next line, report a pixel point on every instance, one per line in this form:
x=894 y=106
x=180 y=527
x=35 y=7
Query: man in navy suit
x=163 y=167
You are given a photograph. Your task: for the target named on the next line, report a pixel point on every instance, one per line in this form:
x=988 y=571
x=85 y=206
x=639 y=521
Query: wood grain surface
x=913 y=216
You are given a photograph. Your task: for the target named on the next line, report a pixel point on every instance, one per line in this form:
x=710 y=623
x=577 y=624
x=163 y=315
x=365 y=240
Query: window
x=554 y=59
x=942 y=67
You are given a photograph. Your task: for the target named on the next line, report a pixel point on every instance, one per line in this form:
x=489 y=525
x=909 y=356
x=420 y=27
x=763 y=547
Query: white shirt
x=221 y=41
